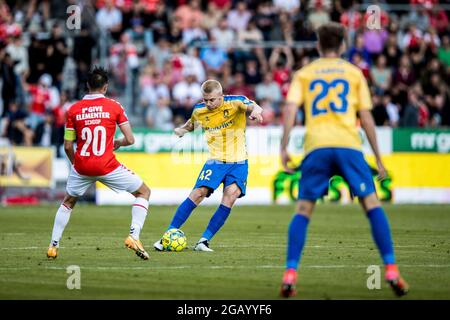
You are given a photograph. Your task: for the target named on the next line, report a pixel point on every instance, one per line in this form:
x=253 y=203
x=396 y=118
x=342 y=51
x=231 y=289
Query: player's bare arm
x=368 y=125
x=185 y=128
x=128 y=137
x=255 y=112
x=289 y=121
x=68 y=149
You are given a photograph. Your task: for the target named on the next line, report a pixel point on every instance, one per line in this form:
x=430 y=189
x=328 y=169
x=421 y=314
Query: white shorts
x=121 y=179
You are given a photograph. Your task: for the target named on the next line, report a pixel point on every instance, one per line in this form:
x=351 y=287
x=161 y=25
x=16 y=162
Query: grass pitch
x=248 y=259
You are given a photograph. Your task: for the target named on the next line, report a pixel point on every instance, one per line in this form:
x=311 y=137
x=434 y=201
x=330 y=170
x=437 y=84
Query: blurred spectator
x=214 y=57
x=19 y=54
x=360 y=49
x=318 y=15
x=381 y=75
x=189 y=15
x=358 y=61
x=240 y=88
x=152 y=87
x=239 y=17
x=265 y=18
x=391 y=109
x=374 y=41
x=57 y=52
x=281 y=62
x=47 y=133
x=224 y=35
x=124 y=64
x=160 y=52
x=37 y=58
x=269 y=90
x=379 y=112
x=444 y=51
x=288 y=6
x=159 y=23
x=412 y=38
x=109 y=19
x=212 y=17
x=160 y=116
x=250 y=34
x=83 y=46
x=16 y=129
x=418 y=16
x=438 y=19
x=403 y=78
x=282 y=29
x=186 y=94
x=192 y=64
x=194 y=34
x=352 y=19
x=135 y=20
x=410 y=116
x=252 y=72
x=40 y=100
x=222 y=5
x=392 y=51
x=9 y=81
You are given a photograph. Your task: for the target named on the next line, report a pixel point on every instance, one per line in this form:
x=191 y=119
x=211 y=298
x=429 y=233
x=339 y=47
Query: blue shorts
x=215 y=172
x=321 y=164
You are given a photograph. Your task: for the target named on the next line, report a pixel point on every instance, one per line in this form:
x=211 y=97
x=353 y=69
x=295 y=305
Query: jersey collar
x=93 y=96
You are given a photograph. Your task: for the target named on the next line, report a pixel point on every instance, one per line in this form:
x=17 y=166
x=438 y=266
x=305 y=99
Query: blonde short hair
x=210 y=86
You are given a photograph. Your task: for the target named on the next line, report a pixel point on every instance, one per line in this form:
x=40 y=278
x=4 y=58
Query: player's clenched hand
x=179 y=131
x=285 y=159
x=117 y=144
x=382 y=174
x=256 y=115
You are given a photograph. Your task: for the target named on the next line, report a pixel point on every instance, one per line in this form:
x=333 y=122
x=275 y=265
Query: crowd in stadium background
x=159 y=52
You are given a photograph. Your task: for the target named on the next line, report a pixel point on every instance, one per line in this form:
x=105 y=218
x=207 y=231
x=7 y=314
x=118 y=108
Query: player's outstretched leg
x=296 y=241
x=216 y=222
x=138 y=215
x=382 y=236
x=183 y=212
x=230 y=194
x=61 y=219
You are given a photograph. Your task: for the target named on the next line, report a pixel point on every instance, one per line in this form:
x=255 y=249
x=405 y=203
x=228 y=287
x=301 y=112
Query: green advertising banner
x=421 y=140
x=260 y=141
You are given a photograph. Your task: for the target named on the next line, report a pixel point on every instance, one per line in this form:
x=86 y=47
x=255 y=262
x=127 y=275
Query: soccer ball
x=174 y=240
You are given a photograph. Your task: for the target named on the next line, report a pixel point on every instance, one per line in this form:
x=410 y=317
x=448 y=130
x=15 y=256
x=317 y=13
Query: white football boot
x=203 y=246
x=158 y=245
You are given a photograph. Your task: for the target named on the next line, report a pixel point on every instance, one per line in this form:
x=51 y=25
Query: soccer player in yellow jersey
x=333 y=92
x=223 y=119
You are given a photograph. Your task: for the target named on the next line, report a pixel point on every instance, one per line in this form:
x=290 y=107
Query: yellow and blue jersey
x=332 y=91
x=224 y=128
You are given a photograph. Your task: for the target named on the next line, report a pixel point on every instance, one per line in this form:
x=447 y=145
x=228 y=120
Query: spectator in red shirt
x=240 y=88
x=40 y=99
x=438 y=19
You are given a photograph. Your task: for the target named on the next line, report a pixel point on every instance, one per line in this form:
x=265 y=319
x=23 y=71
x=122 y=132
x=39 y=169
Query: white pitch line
x=223 y=267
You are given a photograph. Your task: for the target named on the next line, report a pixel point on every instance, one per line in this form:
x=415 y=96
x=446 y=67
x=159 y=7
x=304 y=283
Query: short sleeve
x=365 y=102
x=69 y=122
x=295 y=93
x=69 y=131
x=121 y=116
x=243 y=102
x=194 y=116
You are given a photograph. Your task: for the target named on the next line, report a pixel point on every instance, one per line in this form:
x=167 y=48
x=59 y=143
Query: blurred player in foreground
x=224 y=120
x=92 y=123
x=333 y=92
